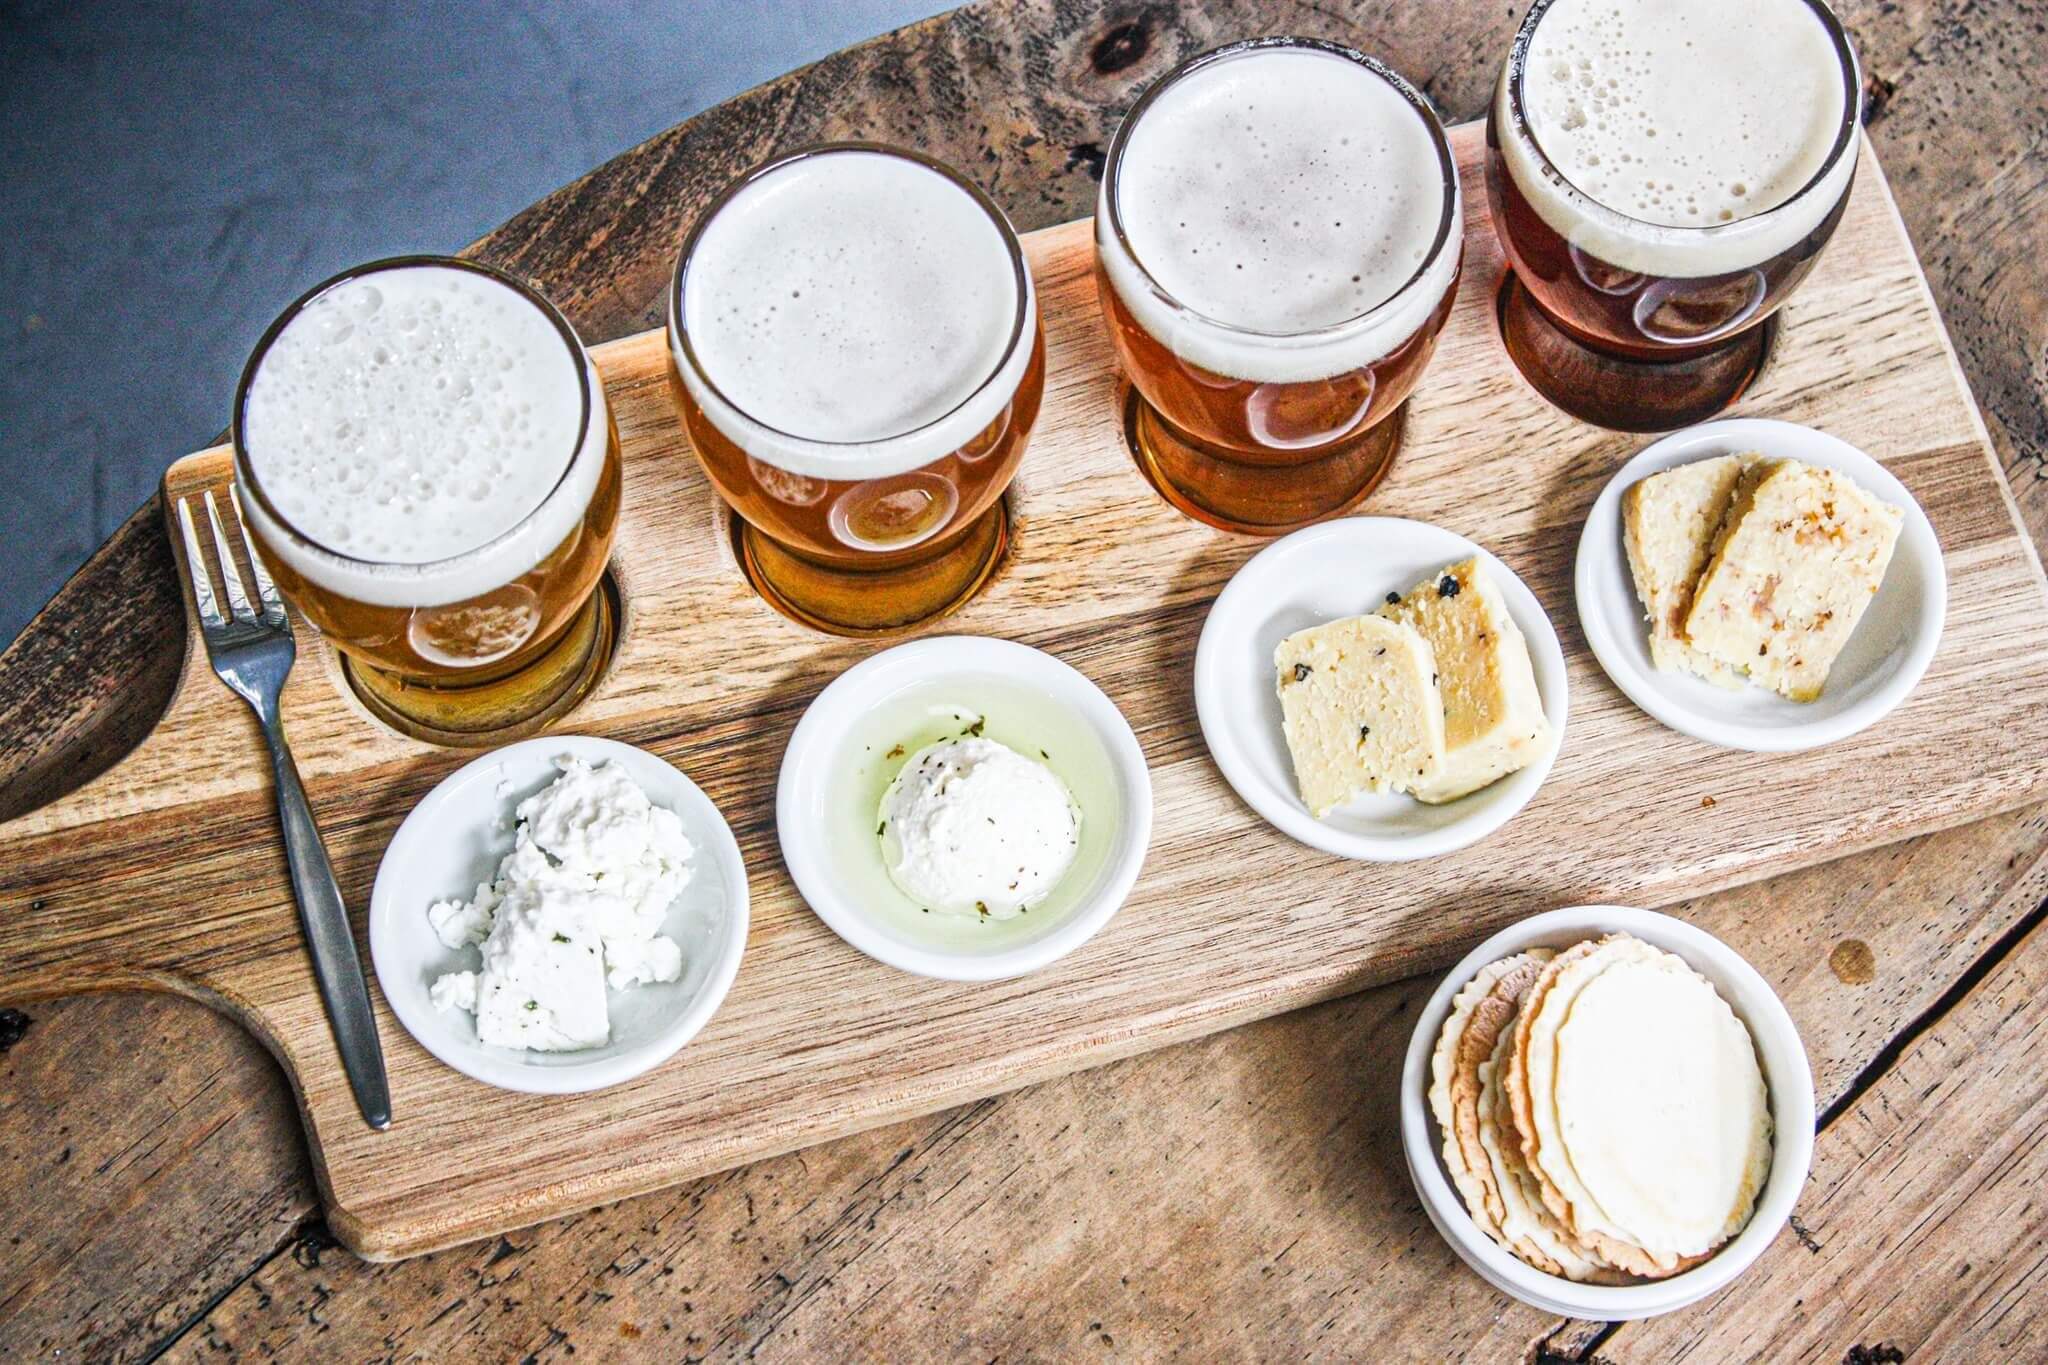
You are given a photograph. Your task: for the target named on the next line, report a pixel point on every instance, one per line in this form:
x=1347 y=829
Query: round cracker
x=1531 y=1099
x=1661 y=1106
x=1528 y=1228
x=1440 y=1067
x=1491 y=1016
x=1516 y=1078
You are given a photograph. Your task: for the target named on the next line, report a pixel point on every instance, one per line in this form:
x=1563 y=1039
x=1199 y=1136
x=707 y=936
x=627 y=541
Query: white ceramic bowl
x=1786 y=1074
x=839 y=761
x=454 y=838
x=1881 y=663
x=1344 y=568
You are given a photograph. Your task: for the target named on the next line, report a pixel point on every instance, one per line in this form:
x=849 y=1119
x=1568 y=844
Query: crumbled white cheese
x=455 y=991
x=461 y=924
x=577 y=904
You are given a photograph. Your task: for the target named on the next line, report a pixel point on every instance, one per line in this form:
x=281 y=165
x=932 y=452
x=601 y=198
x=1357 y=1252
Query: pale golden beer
x=429 y=468
x=1278 y=243
x=855 y=351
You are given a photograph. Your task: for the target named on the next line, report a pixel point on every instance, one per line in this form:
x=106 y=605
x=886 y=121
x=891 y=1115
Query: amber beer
x=425 y=458
x=1662 y=176
x=1278 y=244
x=855 y=350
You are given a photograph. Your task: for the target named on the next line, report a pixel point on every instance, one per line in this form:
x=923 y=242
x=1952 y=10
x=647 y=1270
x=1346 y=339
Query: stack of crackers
x=1603 y=1112
x=1755 y=569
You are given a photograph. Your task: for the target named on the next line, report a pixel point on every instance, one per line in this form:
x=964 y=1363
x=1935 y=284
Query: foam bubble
x=845 y=303
x=1280 y=190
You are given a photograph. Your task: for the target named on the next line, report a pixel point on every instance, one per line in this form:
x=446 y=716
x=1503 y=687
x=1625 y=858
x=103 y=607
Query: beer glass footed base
x=1257 y=499
x=503 y=709
x=1620 y=393
x=870 y=602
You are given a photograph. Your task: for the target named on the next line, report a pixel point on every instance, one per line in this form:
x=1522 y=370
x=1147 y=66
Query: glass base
x=502 y=709
x=845 y=601
x=1257 y=499
x=1617 y=392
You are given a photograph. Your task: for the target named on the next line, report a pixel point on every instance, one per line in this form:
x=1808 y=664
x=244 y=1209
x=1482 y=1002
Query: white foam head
x=1679 y=135
x=852 y=313
x=419 y=436
x=1277 y=212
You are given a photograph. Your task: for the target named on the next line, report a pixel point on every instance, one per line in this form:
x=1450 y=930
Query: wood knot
x=13 y=1028
x=313 y=1241
x=1853 y=961
x=1088 y=157
x=1121 y=47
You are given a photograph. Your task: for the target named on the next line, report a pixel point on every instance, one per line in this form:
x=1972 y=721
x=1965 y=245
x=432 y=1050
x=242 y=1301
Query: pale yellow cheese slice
x=1800 y=556
x=1360 y=707
x=1668 y=523
x=1661 y=1105
x=1493 y=715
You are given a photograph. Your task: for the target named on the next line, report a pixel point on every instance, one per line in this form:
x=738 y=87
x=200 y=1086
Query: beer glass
x=1278 y=243
x=1662 y=176
x=428 y=466
x=855 y=349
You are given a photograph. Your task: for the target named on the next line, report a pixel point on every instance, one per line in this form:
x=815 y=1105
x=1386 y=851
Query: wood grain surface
x=793 y=1251
x=1231 y=921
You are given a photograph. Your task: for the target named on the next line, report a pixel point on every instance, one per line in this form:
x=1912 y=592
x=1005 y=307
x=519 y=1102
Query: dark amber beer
x=1662 y=176
x=855 y=350
x=1278 y=244
x=426 y=461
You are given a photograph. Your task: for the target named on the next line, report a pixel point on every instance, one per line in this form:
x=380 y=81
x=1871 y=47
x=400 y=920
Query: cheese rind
x=1360 y=708
x=1800 y=556
x=1493 y=715
x=1668 y=525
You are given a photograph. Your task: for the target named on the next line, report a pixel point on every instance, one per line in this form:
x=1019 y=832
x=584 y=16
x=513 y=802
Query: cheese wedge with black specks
x=1361 y=709
x=1493 y=715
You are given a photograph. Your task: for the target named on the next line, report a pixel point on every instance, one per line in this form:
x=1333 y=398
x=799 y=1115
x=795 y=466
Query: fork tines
x=239 y=606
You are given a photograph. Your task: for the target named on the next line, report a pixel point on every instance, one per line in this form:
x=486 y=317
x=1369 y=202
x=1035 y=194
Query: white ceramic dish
x=454 y=838
x=1786 y=1073
x=1883 y=660
x=1344 y=568
x=858 y=731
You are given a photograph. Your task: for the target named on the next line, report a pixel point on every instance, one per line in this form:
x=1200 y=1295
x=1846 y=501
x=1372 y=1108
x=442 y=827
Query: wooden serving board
x=167 y=872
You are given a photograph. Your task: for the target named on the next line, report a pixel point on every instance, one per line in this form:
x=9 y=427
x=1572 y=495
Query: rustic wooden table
x=1242 y=1195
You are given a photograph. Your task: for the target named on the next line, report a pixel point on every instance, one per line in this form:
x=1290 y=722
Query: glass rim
x=245 y=470
x=1447 y=219
x=1845 y=133
x=1020 y=324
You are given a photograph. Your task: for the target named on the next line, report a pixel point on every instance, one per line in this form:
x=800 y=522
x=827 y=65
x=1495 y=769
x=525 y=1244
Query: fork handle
x=331 y=945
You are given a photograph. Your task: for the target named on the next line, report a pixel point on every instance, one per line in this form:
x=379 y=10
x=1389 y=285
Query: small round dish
x=856 y=735
x=1344 y=568
x=1882 y=662
x=454 y=838
x=1786 y=1075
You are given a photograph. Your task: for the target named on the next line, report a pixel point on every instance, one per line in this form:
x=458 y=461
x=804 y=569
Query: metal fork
x=252 y=651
